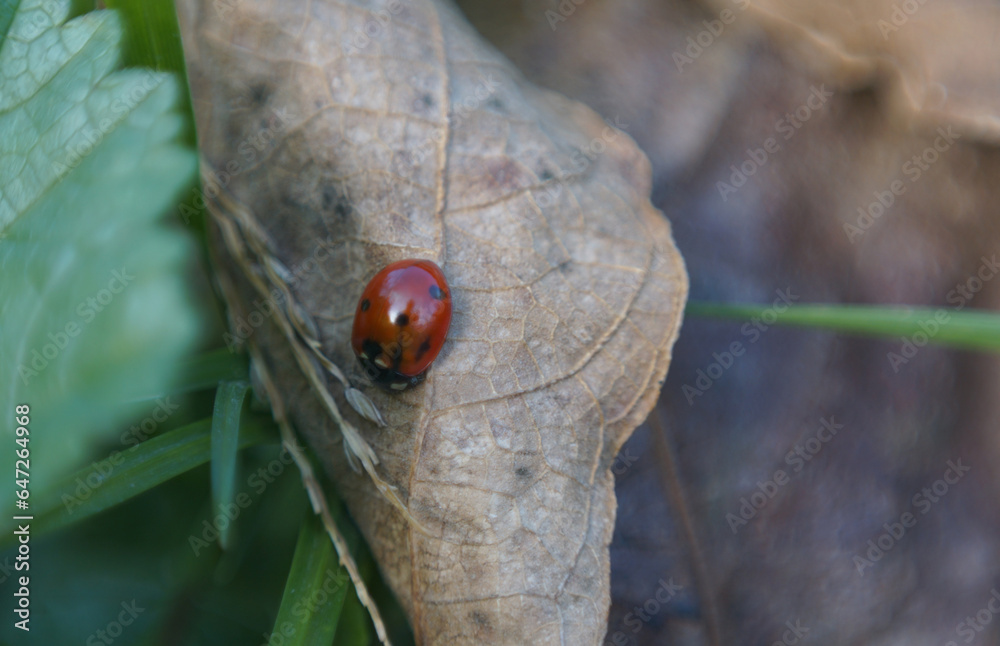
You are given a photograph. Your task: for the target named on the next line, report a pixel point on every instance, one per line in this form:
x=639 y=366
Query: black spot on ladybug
x=437 y=293
x=371 y=348
x=402 y=320
x=523 y=472
x=422 y=350
x=365 y=304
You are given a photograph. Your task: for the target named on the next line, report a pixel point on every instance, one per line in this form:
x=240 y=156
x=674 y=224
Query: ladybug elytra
x=401 y=322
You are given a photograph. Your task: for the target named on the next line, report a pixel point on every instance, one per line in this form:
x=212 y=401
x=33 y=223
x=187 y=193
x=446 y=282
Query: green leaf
x=96 y=309
x=7 y=10
x=315 y=591
x=225 y=445
x=969 y=329
x=126 y=474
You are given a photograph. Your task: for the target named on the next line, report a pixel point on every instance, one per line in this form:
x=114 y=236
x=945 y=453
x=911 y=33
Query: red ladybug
x=401 y=322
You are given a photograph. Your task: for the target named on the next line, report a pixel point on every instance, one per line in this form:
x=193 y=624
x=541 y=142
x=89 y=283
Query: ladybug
x=401 y=323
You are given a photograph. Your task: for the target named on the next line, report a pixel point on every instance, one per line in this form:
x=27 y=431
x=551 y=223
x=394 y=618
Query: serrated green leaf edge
x=69 y=194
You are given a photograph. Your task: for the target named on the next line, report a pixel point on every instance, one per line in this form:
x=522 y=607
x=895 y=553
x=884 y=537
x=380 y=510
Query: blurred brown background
x=878 y=115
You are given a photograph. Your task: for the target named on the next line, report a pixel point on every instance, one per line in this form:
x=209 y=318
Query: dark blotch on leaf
x=334 y=200
x=259 y=93
x=522 y=472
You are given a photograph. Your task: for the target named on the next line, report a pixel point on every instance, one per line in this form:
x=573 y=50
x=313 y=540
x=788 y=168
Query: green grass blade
x=126 y=474
x=225 y=444
x=207 y=370
x=315 y=590
x=968 y=329
x=354 y=623
x=154 y=38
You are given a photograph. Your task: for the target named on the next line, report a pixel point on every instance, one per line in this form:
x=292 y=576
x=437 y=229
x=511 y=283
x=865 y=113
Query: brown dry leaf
x=345 y=136
x=934 y=55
